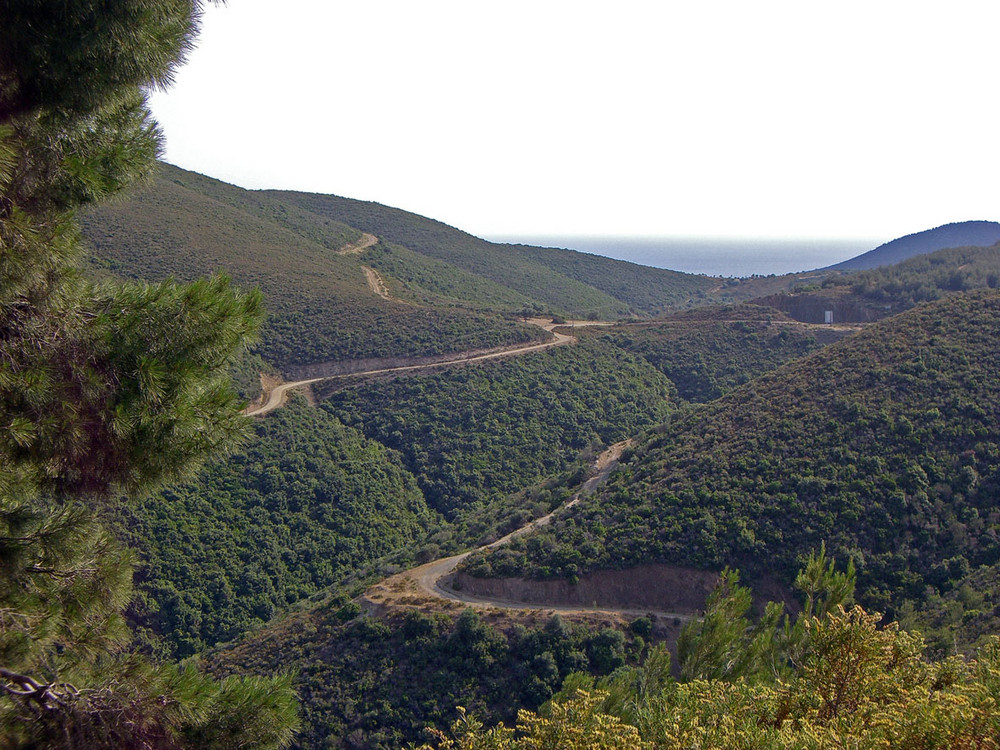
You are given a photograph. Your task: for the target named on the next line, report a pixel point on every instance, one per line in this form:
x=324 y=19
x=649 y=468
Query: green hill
x=319 y=304
x=449 y=290
x=475 y=434
x=885 y=446
x=400 y=468
x=378 y=683
x=866 y=296
x=708 y=351
x=561 y=280
x=305 y=503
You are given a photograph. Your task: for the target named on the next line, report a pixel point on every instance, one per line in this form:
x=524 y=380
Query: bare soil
x=663 y=589
x=367 y=240
x=375 y=282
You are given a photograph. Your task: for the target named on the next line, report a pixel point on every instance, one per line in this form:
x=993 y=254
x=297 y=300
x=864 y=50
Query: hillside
x=958 y=234
x=320 y=307
x=760 y=438
x=866 y=296
x=305 y=503
x=368 y=682
x=708 y=351
x=565 y=281
x=475 y=434
x=448 y=291
x=885 y=446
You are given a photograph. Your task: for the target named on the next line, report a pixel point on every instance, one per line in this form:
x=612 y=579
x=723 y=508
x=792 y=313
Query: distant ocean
x=722 y=257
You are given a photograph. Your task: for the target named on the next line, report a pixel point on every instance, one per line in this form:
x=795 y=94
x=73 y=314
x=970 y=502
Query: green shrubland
x=885 y=446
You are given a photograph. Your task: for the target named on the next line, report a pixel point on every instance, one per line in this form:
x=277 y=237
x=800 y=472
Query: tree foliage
x=848 y=682
x=104 y=387
x=377 y=682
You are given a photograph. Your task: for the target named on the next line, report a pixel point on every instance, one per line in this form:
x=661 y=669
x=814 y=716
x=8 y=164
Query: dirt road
x=375 y=282
x=356 y=248
x=277 y=396
x=431 y=581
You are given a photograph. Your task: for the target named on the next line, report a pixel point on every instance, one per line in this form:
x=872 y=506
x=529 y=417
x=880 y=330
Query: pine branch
x=47 y=695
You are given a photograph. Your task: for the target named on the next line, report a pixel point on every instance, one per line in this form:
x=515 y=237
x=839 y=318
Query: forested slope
x=454 y=290
x=708 y=351
x=865 y=296
x=474 y=434
x=379 y=682
x=309 y=502
x=303 y=504
x=885 y=446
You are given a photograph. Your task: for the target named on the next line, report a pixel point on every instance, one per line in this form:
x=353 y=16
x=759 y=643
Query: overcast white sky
x=720 y=119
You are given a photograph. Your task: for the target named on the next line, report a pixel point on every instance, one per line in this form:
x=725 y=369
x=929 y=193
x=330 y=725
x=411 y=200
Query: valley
x=283 y=469
x=437 y=578
x=514 y=464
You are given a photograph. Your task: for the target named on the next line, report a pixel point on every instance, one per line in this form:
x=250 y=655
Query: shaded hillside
x=886 y=446
x=374 y=683
x=866 y=296
x=958 y=234
x=961 y=613
x=925 y=278
x=319 y=304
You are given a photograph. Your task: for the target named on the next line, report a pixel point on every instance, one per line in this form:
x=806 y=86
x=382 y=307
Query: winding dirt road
x=432 y=580
x=277 y=396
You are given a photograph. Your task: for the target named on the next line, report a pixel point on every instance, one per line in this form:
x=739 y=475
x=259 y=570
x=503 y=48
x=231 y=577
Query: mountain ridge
x=956 y=234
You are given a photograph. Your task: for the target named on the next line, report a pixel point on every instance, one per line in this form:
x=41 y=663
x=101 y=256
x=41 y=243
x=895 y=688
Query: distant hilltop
x=959 y=234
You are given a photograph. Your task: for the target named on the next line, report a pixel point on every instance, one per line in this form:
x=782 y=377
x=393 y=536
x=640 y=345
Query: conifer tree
x=105 y=388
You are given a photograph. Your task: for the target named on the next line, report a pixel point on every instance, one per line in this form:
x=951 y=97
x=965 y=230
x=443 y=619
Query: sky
x=706 y=119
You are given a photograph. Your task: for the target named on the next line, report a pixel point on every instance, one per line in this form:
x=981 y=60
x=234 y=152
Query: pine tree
x=105 y=388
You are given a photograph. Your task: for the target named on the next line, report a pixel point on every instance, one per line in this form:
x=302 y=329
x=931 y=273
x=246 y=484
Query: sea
x=713 y=257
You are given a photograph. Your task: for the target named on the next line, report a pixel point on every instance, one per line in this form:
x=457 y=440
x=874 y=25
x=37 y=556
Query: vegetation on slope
x=309 y=501
x=646 y=290
x=958 y=234
x=960 y=615
x=320 y=307
x=709 y=351
x=829 y=676
x=925 y=277
x=374 y=683
x=559 y=280
x=886 y=446
x=865 y=296
x=472 y=435
x=305 y=502
x=857 y=685
x=428 y=281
